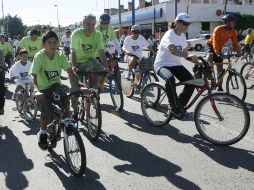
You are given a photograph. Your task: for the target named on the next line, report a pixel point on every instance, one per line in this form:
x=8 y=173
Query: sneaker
x=177 y=113
x=220 y=89
x=2 y=111
x=42 y=140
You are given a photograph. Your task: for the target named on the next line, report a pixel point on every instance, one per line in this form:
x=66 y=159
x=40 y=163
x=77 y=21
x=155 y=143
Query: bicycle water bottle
x=137 y=76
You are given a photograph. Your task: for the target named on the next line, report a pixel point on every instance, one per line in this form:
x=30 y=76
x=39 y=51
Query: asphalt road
x=130 y=154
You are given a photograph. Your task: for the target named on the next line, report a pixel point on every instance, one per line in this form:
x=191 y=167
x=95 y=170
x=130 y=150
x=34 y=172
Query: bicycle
x=74 y=149
x=147 y=76
x=247 y=71
x=25 y=102
x=235 y=83
x=114 y=83
x=89 y=108
x=212 y=115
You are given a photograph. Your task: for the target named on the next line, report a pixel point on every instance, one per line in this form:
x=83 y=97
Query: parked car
x=199 y=42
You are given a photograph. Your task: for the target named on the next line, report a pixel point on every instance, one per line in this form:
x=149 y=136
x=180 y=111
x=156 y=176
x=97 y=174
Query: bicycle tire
x=155 y=101
x=226 y=104
x=128 y=85
x=247 y=71
x=81 y=110
x=235 y=84
x=70 y=131
x=94 y=121
x=30 y=109
x=116 y=94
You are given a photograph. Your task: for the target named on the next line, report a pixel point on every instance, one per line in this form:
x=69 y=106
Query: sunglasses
x=135 y=32
x=105 y=23
x=185 y=23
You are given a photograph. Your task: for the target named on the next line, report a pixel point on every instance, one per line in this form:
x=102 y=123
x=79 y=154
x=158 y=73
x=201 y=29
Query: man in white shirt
x=66 y=41
x=132 y=47
x=16 y=44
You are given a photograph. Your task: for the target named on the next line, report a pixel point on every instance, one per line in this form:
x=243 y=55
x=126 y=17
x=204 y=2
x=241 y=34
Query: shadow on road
x=228 y=156
x=34 y=126
x=142 y=161
x=89 y=181
x=249 y=106
x=13 y=161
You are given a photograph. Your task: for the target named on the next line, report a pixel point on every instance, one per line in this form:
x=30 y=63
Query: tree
x=247 y=21
x=13 y=25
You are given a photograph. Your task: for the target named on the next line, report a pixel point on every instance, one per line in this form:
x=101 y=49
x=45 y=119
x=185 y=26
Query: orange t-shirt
x=220 y=36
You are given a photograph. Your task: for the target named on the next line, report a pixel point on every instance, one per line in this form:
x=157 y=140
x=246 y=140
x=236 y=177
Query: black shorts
x=216 y=59
x=47 y=107
x=67 y=50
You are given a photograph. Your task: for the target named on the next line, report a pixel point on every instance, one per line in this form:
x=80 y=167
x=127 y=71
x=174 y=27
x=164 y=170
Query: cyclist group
x=89 y=51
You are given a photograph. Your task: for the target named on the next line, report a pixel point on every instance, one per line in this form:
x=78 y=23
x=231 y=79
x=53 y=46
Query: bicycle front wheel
x=74 y=151
x=149 y=78
x=94 y=117
x=127 y=84
x=116 y=94
x=30 y=109
x=236 y=85
x=247 y=71
x=222 y=119
x=154 y=104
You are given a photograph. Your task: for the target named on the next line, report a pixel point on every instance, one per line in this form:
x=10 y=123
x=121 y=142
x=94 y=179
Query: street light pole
x=3 y=14
x=120 y=22
x=133 y=12
x=57 y=17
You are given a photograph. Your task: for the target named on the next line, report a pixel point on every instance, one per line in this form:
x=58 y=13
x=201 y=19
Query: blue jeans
x=2 y=88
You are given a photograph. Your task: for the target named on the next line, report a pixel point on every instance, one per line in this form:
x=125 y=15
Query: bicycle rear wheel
x=127 y=85
x=235 y=85
x=154 y=104
x=116 y=94
x=247 y=71
x=94 y=117
x=74 y=151
x=230 y=127
x=30 y=109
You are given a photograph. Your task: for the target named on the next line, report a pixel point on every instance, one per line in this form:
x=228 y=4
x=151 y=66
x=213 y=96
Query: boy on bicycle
x=46 y=69
x=19 y=72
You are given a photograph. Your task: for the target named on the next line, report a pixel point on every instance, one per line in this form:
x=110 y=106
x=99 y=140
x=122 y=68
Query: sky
x=45 y=13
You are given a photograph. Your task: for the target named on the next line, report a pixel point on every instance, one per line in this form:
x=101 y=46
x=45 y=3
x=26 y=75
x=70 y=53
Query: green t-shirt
x=32 y=47
x=7 y=49
x=86 y=47
x=108 y=35
x=48 y=71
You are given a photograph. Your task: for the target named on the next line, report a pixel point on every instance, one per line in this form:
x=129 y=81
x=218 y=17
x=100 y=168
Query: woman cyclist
x=168 y=63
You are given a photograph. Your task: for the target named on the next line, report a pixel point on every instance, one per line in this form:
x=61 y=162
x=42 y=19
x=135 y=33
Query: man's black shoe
x=43 y=144
x=177 y=113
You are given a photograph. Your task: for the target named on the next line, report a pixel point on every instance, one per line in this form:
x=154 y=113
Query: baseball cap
x=183 y=17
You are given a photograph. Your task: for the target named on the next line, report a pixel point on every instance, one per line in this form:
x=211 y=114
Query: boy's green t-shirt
x=32 y=47
x=7 y=49
x=86 y=47
x=48 y=71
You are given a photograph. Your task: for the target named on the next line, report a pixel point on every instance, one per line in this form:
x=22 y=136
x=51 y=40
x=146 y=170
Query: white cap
x=184 y=17
x=135 y=27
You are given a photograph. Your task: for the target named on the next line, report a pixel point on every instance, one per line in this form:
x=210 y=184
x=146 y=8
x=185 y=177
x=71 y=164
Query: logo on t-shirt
x=51 y=74
x=31 y=48
x=135 y=48
x=87 y=47
x=179 y=47
x=24 y=75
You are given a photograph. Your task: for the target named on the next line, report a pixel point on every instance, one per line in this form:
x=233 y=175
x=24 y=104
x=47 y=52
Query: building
x=206 y=14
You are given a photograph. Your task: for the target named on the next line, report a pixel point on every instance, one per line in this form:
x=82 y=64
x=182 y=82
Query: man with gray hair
x=86 y=43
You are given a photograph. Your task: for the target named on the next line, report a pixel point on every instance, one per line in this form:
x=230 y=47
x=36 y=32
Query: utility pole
x=176 y=8
x=120 y=21
x=153 y=29
x=3 y=14
x=133 y=12
x=225 y=7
